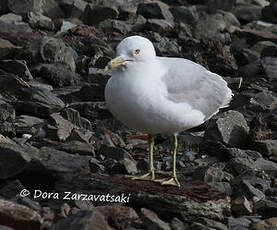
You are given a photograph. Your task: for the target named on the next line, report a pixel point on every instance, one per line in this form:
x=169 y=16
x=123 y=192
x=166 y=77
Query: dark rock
x=152 y=221
x=91 y=92
x=118 y=216
x=245 y=188
x=229 y=127
x=113 y=25
x=76 y=147
x=83 y=220
x=7 y=48
x=122 y=162
x=212 y=54
x=177 y=224
x=94 y=14
x=248 y=13
x=160 y=26
x=17 y=67
x=2 y=227
x=49 y=8
x=156 y=10
x=187 y=15
x=39 y=21
x=269 y=167
x=251 y=70
x=58 y=162
x=214 y=5
x=11 y=189
x=271 y=192
x=95 y=166
x=269 y=65
x=18 y=216
x=165 y=46
x=266 y=147
x=210 y=25
x=266 y=208
x=57 y=74
x=40 y=102
x=13 y=161
x=49 y=50
x=75 y=118
x=3 y=7
x=269 y=12
x=212 y=223
x=27 y=124
x=73 y=8
x=241 y=165
x=7 y=116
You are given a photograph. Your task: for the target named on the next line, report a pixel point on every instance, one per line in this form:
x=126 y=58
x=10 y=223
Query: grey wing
x=188 y=82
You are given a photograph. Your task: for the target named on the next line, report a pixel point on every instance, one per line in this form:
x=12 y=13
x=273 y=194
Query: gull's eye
x=137 y=51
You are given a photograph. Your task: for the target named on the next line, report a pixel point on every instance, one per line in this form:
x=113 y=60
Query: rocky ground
x=63 y=156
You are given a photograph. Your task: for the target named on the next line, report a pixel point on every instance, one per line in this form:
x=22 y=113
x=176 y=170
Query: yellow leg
x=173 y=180
x=151 y=173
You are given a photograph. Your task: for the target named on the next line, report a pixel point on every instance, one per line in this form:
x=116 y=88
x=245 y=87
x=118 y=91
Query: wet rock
x=39 y=21
x=248 y=13
x=11 y=18
x=229 y=127
x=83 y=220
x=270 y=67
x=270 y=223
x=159 y=25
x=13 y=161
x=7 y=48
x=266 y=147
x=94 y=14
x=57 y=75
x=17 y=67
x=241 y=206
x=187 y=15
x=152 y=220
x=214 y=5
x=156 y=10
x=118 y=216
x=266 y=208
x=18 y=216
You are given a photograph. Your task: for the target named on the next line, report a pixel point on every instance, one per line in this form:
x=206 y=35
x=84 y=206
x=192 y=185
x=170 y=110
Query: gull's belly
x=142 y=105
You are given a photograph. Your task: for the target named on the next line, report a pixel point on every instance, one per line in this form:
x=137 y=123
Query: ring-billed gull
x=161 y=95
